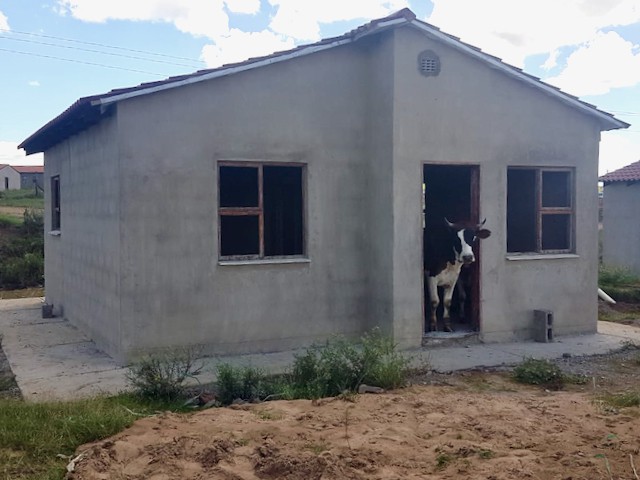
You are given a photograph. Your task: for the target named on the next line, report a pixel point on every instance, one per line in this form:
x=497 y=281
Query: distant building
x=30 y=175
x=9 y=178
x=621 y=218
x=14 y=177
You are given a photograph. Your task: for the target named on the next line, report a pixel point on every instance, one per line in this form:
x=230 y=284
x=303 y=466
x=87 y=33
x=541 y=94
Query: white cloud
x=34 y=83
x=618 y=149
x=250 y=7
x=605 y=62
x=9 y=154
x=196 y=17
x=4 y=21
x=514 y=30
x=239 y=45
x=301 y=19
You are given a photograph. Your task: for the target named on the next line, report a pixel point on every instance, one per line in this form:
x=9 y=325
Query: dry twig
x=633 y=467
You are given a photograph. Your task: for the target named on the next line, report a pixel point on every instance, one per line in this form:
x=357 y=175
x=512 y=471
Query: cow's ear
x=483 y=233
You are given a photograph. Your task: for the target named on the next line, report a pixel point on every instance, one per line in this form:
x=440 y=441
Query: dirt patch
x=474 y=424
x=621 y=312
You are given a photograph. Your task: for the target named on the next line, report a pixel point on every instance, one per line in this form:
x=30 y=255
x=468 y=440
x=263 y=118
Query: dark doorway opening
x=451 y=192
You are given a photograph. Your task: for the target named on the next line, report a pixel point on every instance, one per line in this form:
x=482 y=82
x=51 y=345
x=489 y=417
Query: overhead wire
x=97 y=51
x=103 y=45
x=83 y=62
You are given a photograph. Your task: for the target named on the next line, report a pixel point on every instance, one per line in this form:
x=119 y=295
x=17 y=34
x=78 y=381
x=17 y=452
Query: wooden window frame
x=541 y=211
x=259 y=210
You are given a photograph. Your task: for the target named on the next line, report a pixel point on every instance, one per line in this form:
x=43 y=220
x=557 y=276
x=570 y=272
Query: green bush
x=22 y=255
x=322 y=371
x=617 y=277
x=162 y=376
x=247 y=383
x=539 y=372
x=341 y=365
x=33 y=223
x=22 y=272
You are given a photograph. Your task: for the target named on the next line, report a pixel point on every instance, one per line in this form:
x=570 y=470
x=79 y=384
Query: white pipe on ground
x=605 y=297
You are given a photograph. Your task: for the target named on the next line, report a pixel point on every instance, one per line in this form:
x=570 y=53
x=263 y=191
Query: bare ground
x=474 y=424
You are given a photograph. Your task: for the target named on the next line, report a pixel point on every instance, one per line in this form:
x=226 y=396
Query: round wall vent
x=428 y=63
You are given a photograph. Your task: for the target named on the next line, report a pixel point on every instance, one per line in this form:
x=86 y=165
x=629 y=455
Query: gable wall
x=476 y=115
x=174 y=290
x=621 y=226
x=12 y=175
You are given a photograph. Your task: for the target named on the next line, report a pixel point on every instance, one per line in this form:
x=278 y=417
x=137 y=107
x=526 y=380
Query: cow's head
x=463 y=237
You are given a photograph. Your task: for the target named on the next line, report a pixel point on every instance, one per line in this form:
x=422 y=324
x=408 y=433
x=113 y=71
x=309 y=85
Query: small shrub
x=33 y=222
x=162 y=376
x=443 y=460
x=539 y=372
x=341 y=365
x=486 y=454
x=246 y=383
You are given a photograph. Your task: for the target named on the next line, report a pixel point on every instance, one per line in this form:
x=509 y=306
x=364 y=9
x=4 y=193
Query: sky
x=53 y=52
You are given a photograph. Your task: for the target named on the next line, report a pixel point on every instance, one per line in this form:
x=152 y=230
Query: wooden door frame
x=474 y=209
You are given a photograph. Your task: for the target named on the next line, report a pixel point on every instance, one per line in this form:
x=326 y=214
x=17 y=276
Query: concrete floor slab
x=51 y=359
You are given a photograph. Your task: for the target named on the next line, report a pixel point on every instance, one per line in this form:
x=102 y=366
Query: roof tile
x=630 y=173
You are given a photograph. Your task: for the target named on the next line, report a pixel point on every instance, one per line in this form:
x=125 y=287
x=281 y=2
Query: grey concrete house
x=9 y=178
x=30 y=175
x=271 y=203
x=621 y=218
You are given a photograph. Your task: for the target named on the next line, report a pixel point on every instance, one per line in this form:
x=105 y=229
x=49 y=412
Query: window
x=6 y=183
x=55 y=202
x=540 y=210
x=260 y=210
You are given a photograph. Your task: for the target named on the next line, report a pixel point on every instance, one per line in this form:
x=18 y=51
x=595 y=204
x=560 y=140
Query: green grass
x=32 y=435
x=622 y=400
x=7 y=220
x=22 y=198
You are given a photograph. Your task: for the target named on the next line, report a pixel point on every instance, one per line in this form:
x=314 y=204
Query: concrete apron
x=52 y=360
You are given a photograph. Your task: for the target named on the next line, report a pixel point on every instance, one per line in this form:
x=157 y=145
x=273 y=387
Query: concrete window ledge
x=55 y=233
x=270 y=261
x=542 y=256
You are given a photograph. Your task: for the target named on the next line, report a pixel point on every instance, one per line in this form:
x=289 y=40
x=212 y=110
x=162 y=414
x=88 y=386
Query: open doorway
x=451 y=192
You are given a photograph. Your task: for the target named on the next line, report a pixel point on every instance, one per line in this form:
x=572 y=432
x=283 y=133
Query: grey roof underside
x=88 y=111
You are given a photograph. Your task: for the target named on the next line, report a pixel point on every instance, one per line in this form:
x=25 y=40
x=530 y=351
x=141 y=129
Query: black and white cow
x=447 y=249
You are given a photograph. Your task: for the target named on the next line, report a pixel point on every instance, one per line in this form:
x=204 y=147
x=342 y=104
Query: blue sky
x=53 y=52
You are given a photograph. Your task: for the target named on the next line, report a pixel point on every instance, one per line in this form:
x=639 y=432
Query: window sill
x=541 y=256
x=55 y=233
x=265 y=261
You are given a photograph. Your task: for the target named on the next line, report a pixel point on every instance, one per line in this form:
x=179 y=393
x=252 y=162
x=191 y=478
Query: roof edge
x=90 y=109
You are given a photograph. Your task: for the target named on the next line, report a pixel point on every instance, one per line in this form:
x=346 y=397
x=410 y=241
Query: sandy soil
x=471 y=425
x=17 y=212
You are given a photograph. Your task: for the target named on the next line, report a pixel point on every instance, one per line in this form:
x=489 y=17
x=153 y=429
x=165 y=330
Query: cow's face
x=464 y=237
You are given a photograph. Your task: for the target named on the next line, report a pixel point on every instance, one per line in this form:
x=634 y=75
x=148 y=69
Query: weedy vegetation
x=39 y=439
x=544 y=373
x=162 y=376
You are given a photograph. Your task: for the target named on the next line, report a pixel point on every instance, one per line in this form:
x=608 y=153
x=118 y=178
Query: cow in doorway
x=447 y=250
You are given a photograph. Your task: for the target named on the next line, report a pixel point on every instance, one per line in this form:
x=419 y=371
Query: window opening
x=55 y=203
x=261 y=211
x=540 y=210
x=6 y=183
